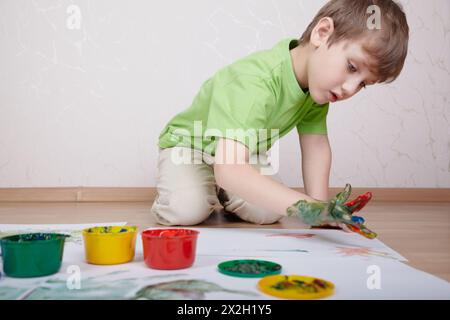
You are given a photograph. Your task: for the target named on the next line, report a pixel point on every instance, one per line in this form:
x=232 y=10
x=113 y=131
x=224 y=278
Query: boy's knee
x=257 y=215
x=184 y=207
x=247 y=211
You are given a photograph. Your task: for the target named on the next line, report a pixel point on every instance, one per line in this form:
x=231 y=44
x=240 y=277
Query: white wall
x=85 y=107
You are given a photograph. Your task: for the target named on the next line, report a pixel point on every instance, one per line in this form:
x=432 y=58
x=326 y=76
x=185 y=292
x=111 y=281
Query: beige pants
x=188 y=194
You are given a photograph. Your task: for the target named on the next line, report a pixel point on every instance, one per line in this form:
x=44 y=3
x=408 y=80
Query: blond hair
x=386 y=46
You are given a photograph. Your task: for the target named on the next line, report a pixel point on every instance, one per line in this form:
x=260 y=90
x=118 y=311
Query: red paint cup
x=169 y=249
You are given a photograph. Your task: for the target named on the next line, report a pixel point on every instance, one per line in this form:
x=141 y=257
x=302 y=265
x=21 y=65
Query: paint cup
x=169 y=249
x=109 y=244
x=32 y=254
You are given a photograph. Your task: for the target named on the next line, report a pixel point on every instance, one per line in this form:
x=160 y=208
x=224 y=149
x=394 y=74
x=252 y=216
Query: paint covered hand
x=336 y=211
x=319 y=213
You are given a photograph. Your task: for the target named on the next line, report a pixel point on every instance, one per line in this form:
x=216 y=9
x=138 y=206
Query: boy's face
x=339 y=72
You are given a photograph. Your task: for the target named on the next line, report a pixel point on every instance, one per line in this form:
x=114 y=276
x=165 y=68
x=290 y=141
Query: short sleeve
x=315 y=121
x=237 y=111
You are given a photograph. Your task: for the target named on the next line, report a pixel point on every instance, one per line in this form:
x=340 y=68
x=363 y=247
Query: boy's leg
x=245 y=210
x=186 y=191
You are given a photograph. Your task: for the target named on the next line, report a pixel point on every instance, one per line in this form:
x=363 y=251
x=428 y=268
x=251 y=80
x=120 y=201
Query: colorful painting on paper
x=362 y=251
x=123 y=289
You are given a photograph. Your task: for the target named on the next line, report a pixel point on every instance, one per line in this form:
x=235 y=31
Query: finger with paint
x=358 y=220
x=362 y=230
x=359 y=203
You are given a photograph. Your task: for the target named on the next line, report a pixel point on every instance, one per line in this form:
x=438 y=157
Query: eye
x=351 y=67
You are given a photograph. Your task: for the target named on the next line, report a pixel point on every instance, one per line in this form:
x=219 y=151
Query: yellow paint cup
x=109 y=244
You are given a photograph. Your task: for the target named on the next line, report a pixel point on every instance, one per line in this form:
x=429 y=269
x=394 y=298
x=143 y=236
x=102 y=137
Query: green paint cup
x=32 y=254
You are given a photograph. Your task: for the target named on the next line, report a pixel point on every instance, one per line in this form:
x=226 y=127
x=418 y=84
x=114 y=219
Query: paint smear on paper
x=362 y=252
x=292 y=235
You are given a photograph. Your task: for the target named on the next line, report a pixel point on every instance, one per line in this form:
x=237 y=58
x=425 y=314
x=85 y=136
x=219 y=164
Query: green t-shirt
x=255 y=100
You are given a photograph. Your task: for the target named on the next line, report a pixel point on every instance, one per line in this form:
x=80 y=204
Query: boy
x=204 y=159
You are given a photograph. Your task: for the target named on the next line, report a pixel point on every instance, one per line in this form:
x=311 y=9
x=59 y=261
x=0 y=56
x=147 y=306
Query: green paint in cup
x=32 y=254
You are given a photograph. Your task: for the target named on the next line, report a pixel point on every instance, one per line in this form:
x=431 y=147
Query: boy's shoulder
x=260 y=63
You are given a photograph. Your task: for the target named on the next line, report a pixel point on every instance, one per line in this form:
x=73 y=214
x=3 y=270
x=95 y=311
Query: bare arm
x=316 y=165
x=233 y=173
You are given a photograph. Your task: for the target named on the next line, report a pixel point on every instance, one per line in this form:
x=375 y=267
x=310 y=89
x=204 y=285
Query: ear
x=322 y=31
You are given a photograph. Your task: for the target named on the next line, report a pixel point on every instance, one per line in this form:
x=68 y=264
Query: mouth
x=334 y=97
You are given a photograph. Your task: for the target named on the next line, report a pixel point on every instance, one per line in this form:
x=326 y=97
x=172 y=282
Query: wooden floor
x=418 y=231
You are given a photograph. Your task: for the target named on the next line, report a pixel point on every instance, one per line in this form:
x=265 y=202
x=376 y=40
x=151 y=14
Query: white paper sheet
x=353 y=275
